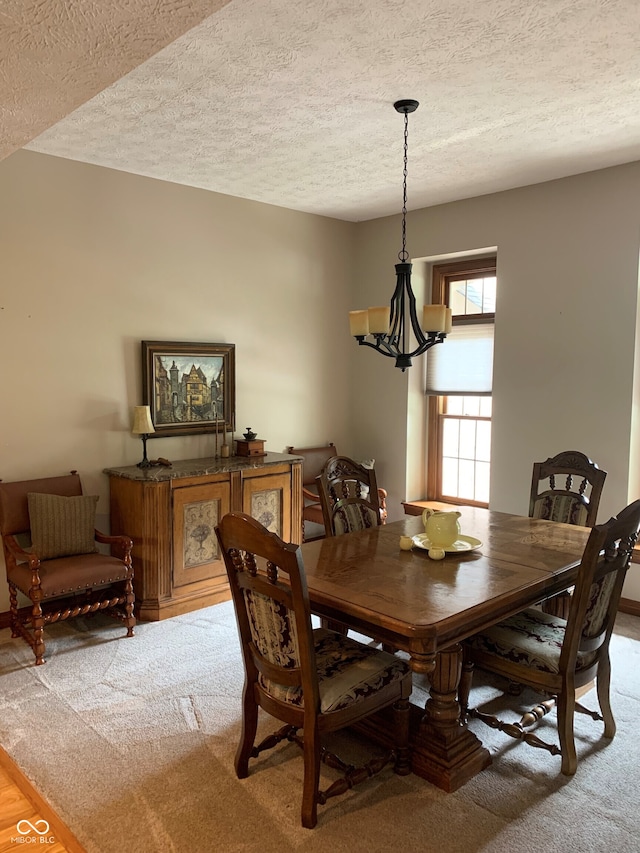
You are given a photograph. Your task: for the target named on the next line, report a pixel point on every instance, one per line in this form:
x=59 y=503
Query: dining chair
x=349 y=496
x=50 y=549
x=350 y=501
x=557 y=656
x=314 y=460
x=567 y=488
x=313 y=680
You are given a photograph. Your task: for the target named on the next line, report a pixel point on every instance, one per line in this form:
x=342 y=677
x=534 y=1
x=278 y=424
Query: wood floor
x=19 y=801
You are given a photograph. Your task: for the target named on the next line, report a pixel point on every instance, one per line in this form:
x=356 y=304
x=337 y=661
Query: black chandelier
x=389 y=326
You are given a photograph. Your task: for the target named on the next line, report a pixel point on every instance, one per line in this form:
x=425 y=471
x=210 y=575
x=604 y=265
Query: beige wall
x=94 y=261
x=565 y=331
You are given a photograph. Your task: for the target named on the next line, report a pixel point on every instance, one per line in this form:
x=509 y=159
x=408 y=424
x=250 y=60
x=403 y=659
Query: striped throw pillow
x=62 y=526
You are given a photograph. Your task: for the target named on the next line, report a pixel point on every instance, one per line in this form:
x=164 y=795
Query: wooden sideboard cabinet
x=171 y=514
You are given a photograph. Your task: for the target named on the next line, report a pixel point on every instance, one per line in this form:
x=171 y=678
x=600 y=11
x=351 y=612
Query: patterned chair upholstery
x=314 y=460
x=566 y=488
x=557 y=656
x=349 y=497
x=573 y=501
x=313 y=680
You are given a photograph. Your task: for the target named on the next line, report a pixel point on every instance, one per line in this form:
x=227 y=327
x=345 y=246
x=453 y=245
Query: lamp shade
x=142 y=423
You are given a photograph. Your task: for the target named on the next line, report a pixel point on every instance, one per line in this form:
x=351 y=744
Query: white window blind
x=463 y=364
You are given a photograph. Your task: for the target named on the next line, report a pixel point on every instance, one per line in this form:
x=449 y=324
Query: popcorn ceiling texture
x=56 y=54
x=290 y=101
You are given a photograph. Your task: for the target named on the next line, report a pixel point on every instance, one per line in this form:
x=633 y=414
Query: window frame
x=442 y=277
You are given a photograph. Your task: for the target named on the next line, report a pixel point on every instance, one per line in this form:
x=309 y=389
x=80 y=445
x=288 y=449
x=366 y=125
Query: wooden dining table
x=427 y=608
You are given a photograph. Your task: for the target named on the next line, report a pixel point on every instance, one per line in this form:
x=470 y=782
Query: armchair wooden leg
x=130 y=619
x=37 y=622
x=13 y=611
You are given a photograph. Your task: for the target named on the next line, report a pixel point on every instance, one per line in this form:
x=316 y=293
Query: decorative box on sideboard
x=171 y=514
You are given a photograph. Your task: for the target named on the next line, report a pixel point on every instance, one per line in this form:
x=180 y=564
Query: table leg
x=444 y=751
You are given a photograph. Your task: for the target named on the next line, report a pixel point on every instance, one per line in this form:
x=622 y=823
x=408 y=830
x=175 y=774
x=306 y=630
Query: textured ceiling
x=290 y=101
x=56 y=54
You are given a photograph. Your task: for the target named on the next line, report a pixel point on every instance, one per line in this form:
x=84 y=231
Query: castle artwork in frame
x=189 y=387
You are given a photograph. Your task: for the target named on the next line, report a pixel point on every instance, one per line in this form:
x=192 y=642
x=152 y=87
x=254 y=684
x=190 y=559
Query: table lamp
x=143 y=426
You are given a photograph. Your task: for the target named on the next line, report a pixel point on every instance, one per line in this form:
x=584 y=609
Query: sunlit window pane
x=450 y=477
x=483 y=441
x=489 y=295
x=458 y=298
x=471 y=406
x=454 y=405
x=466 y=448
x=466 y=479
x=468 y=439
x=450 y=437
x=485 y=407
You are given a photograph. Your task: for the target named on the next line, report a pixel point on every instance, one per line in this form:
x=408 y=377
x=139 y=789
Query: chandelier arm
x=389 y=349
x=380 y=345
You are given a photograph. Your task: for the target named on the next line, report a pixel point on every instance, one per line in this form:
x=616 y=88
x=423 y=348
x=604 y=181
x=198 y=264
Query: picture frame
x=189 y=387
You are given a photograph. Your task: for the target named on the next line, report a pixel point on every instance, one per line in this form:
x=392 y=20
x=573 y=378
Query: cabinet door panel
x=268 y=499
x=196 y=512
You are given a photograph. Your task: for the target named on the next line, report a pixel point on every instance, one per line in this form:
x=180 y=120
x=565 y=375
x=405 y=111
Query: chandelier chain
x=404 y=255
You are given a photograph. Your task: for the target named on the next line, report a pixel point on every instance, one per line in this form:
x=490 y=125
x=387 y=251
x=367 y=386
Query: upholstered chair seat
x=316 y=681
x=531 y=638
x=68 y=575
x=347 y=671
x=53 y=557
x=558 y=657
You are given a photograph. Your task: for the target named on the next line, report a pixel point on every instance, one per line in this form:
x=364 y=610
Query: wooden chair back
x=311 y=679
x=349 y=496
x=271 y=602
x=597 y=592
x=14 y=507
x=567 y=488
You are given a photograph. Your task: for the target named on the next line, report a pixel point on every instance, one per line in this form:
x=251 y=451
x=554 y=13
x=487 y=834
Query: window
x=458 y=383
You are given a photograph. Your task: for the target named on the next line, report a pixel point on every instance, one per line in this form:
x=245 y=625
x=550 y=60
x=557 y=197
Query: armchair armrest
x=309 y=495
x=15 y=553
x=120 y=545
x=18 y=553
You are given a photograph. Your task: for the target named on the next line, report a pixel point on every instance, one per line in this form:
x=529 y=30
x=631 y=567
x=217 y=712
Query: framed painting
x=189 y=387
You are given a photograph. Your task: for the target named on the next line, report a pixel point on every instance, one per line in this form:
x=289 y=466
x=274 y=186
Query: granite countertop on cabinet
x=199 y=467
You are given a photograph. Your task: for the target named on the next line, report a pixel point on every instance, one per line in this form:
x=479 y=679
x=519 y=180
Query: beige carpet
x=132 y=742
